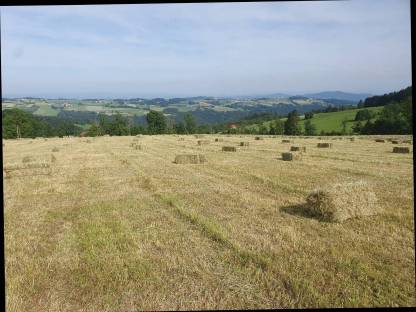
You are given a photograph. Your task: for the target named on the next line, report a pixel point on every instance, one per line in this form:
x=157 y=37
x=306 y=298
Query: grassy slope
x=118 y=229
x=330 y=121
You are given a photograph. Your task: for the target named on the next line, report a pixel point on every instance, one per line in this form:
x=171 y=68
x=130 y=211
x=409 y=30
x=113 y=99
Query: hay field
x=111 y=228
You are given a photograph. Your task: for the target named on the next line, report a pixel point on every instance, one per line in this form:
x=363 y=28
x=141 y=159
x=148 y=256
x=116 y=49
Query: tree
x=356 y=128
x=94 y=130
x=310 y=129
x=190 y=124
x=156 y=122
x=180 y=128
x=263 y=129
x=363 y=114
x=279 y=126
x=292 y=124
x=119 y=125
x=344 y=126
x=308 y=115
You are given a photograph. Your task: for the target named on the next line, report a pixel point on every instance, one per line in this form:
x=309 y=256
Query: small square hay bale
x=229 y=149
x=324 y=145
x=352 y=139
x=244 y=143
x=287 y=141
x=203 y=142
x=289 y=156
x=401 y=149
x=380 y=140
x=407 y=141
x=219 y=140
x=258 y=138
x=27 y=159
x=343 y=201
x=395 y=142
x=298 y=148
x=189 y=159
x=55 y=149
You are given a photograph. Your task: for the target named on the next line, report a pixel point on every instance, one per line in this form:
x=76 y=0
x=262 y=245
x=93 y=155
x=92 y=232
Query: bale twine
x=289 y=156
x=229 y=149
x=401 y=149
x=298 y=148
x=380 y=140
x=342 y=201
x=324 y=145
x=189 y=159
x=244 y=144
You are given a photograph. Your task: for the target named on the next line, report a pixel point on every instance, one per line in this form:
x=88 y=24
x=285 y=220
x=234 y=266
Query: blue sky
x=221 y=49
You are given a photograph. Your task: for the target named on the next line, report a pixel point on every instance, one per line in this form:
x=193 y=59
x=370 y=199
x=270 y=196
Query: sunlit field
x=94 y=224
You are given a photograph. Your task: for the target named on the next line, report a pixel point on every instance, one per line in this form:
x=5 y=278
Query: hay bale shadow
x=301 y=210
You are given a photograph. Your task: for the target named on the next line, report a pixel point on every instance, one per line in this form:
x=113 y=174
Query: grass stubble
x=114 y=229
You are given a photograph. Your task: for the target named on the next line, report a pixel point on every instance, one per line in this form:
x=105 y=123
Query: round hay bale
x=190 y=159
x=343 y=201
x=289 y=156
x=401 y=149
x=324 y=145
x=244 y=144
x=298 y=148
x=229 y=149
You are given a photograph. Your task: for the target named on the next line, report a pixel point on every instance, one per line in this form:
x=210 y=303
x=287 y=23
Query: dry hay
x=27 y=159
x=53 y=158
x=219 y=140
x=189 y=159
x=181 y=139
x=298 y=148
x=401 y=149
x=198 y=136
x=244 y=143
x=22 y=170
x=380 y=140
x=229 y=149
x=88 y=141
x=287 y=141
x=343 y=201
x=289 y=156
x=203 y=142
x=324 y=145
x=55 y=149
x=258 y=138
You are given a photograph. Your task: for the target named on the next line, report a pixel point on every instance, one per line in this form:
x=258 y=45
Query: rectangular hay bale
x=401 y=149
x=289 y=156
x=189 y=159
x=324 y=145
x=298 y=148
x=229 y=149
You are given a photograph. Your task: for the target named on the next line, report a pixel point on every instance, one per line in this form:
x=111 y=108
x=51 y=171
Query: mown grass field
x=110 y=228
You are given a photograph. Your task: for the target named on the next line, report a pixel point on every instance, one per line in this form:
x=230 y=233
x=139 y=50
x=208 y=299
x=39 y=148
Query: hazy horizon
x=205 y=49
